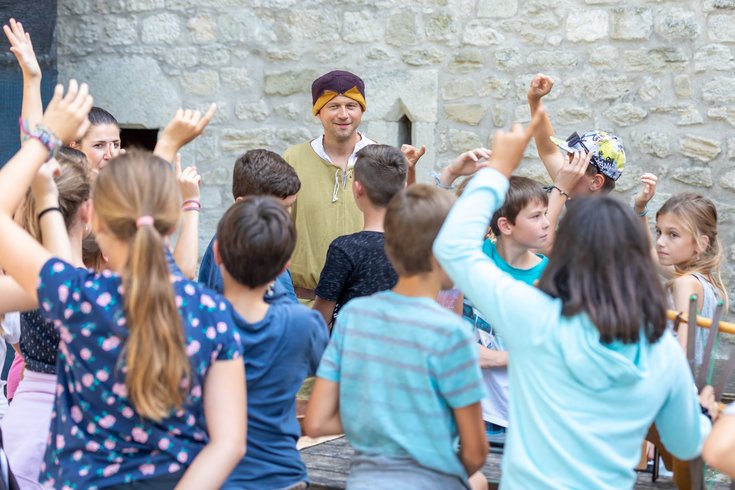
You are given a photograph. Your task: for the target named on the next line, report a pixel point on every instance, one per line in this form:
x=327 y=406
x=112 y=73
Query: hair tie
x=144 y=221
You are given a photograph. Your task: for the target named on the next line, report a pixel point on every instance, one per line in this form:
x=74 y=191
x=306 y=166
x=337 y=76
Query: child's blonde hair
x=698 y=216
x=130 y=187
x=74 y=184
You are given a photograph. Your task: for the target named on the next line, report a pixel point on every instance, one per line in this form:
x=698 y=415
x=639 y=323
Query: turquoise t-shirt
x=403 y=364
x=484 y=331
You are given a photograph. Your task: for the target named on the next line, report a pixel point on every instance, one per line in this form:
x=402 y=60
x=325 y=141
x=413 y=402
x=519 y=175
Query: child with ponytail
x=150 y=382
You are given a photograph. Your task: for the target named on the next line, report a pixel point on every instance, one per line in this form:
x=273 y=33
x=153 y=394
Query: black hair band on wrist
x=48 y=210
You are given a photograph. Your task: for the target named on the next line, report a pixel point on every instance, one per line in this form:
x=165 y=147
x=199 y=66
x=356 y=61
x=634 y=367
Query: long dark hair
x=601 y=265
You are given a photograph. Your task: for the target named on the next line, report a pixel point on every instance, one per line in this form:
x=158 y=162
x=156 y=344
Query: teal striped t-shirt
x=403 y=364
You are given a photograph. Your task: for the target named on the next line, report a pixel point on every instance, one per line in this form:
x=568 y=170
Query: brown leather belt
x=304 y=293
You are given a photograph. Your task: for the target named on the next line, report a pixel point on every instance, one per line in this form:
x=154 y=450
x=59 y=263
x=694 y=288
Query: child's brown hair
x=521 y=192
x=413 y=219
x=381 y=170
x=259 y=228
x=264 y=173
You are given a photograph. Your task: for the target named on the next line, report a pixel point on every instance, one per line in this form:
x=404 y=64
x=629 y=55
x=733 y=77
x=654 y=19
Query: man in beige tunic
x=325 y=207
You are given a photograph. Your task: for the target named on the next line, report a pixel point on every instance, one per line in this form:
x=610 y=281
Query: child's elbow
x=475 y=459
x=311 y=427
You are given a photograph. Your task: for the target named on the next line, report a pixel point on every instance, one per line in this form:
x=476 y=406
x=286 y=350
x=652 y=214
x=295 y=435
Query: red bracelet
x=191 y=207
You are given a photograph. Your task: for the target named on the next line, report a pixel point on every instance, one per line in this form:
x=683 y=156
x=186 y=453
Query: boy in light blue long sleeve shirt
x=584 y=395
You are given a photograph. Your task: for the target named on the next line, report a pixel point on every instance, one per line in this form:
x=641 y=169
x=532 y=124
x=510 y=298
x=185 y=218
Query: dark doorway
x=139 y=138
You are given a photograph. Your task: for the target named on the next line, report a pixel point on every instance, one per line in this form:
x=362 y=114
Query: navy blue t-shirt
x=280 y=351
x=210 y=275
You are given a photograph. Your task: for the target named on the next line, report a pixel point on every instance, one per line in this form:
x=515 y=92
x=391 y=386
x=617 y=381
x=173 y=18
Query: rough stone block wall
x=657 y=73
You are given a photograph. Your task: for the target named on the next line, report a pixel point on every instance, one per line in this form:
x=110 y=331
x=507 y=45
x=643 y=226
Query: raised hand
x=570 y=173
x=183 y=128
x=508 y=146
x=470 y=162
x=412 y=154
x=189 y=180
x=646 y=193
x=66 y=115
x=22 y=47
x=44 y=187
x=540 y=86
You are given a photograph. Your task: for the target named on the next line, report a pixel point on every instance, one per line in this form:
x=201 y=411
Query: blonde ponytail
x=158 y=370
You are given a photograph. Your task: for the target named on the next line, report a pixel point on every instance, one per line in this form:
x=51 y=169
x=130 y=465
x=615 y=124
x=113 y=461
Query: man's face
x=340 y=118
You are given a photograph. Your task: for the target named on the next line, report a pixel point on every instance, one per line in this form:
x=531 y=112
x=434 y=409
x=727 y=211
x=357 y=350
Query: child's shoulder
x=296 y=315
x=687 y=282
x=361 y=238
x=391 y=305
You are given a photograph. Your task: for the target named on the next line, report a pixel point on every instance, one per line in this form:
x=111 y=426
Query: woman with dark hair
x=101 y=142
x=592 y=364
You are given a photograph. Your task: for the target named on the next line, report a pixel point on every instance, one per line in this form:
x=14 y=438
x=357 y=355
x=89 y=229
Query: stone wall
x=657 y=73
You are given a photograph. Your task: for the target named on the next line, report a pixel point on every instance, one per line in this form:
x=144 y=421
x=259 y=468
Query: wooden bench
x=329 y=463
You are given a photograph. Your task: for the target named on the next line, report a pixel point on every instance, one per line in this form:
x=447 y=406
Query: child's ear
x=357 y=189
x=215 y=252
x=597 y=182
x=239 y=198
x=504 y=226
x=85 y=211
x=702 y=244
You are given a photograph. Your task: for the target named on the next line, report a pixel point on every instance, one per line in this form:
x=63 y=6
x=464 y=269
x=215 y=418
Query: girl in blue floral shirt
x=151 y=385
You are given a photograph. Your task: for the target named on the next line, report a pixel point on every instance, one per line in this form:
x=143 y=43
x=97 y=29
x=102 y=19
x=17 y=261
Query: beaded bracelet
x=645 y=211
x=42 y=134
x=438 y=182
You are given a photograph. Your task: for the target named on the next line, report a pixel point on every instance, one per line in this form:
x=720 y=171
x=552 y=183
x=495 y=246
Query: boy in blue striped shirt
x=400 y=376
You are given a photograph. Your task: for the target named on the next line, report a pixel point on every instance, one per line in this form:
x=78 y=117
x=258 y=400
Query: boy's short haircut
x=381 y=169
x=521 y=192
x=260 y=229
x=413 y=219
x=264 y=173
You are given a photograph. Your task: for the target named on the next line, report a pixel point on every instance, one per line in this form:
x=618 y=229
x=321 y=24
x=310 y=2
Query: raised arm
x=186 y=253
x=65 y=118
x=566 y=178
x=642 y=200
x=412 y=155
x=183 y=128
x=54 y=235
x=22 y=47
x=466 y=164
x=549 y=153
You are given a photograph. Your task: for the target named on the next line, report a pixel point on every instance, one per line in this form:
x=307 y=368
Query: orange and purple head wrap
x=335 y=83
